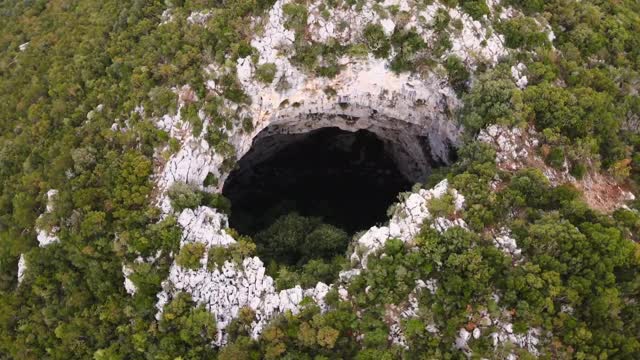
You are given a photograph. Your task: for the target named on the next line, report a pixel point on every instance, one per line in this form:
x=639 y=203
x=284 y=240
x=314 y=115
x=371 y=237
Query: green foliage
x=309 y=274
x=443 y=206
x=556 y=158
x=187 y=330
x=190 y=255
x=232 y=89
x=296 y=16
x=493 y=99
x=475 y=8
x=216 y=201
x=578 y=170
x=524 y=33
x=407 y=45
x=441 y=20
x=376 y=40
x=237 y=252
x=529 y=6
x=458 y=73
x=293 y=239
x=190 y=114
x=163 y=101
x=266 y=72
x=247 y=125
x=184 y=196
x=210 y=180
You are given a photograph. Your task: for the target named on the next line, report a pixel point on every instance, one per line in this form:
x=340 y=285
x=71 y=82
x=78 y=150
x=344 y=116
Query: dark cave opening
x=349 y=179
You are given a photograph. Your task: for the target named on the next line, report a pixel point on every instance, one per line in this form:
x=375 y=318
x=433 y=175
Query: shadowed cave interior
x=349 y=179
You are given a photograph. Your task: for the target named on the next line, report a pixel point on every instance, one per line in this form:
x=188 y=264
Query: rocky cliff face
x=366 y=94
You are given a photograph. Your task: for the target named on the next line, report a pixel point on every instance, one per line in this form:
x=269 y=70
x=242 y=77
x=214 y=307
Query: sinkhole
x=328 y=181
x=347 y=178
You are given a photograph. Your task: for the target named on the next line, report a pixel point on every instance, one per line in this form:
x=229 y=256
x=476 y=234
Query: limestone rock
x=462 y=339
x=204 y=225
x=517 y=72
x=506 y=243
x=407 y=221
x=46 y=237
x=129 y=286
x=22 y=268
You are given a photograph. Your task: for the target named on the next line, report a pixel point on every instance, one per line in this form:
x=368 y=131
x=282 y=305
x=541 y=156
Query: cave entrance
x=349 y=179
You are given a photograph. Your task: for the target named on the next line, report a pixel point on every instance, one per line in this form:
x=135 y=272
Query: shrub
x=296 y=17
x=555 y=158
x=441 y=20
x=210 y=180
x=163 y=101
x=266 y=72
x=293 y=240
x=443 y=206
x=458 y=73
x=407 y=45
x=217 y=256
x=494 y=99
x=190 y=255
x=376 y=40
x=475 y=8
x=174 y=145
x=232 y=89
x=189 y=113
x=578 y=170
x=216 y=201
x=523 y=33
x=184 y=196
x=247 y=124
x=237 y=252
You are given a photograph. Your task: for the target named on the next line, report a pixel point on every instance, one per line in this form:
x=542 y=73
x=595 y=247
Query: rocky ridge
x=366 y=94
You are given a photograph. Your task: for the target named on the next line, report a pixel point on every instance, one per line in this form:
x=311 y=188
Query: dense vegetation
x=302 y=250
x=577 y=279
x=573 y=258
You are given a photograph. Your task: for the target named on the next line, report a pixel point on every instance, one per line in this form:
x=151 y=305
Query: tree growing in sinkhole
x=302 y=249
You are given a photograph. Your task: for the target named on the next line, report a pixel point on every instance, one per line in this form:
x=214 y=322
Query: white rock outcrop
x=513 y=146
x=46 y=237
x=204 y=225
x=22 y=268
x=517 y=72
x=129 y=286
x=407 y=221
x=505 y=242
x=505 y=335
x=225 y=290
